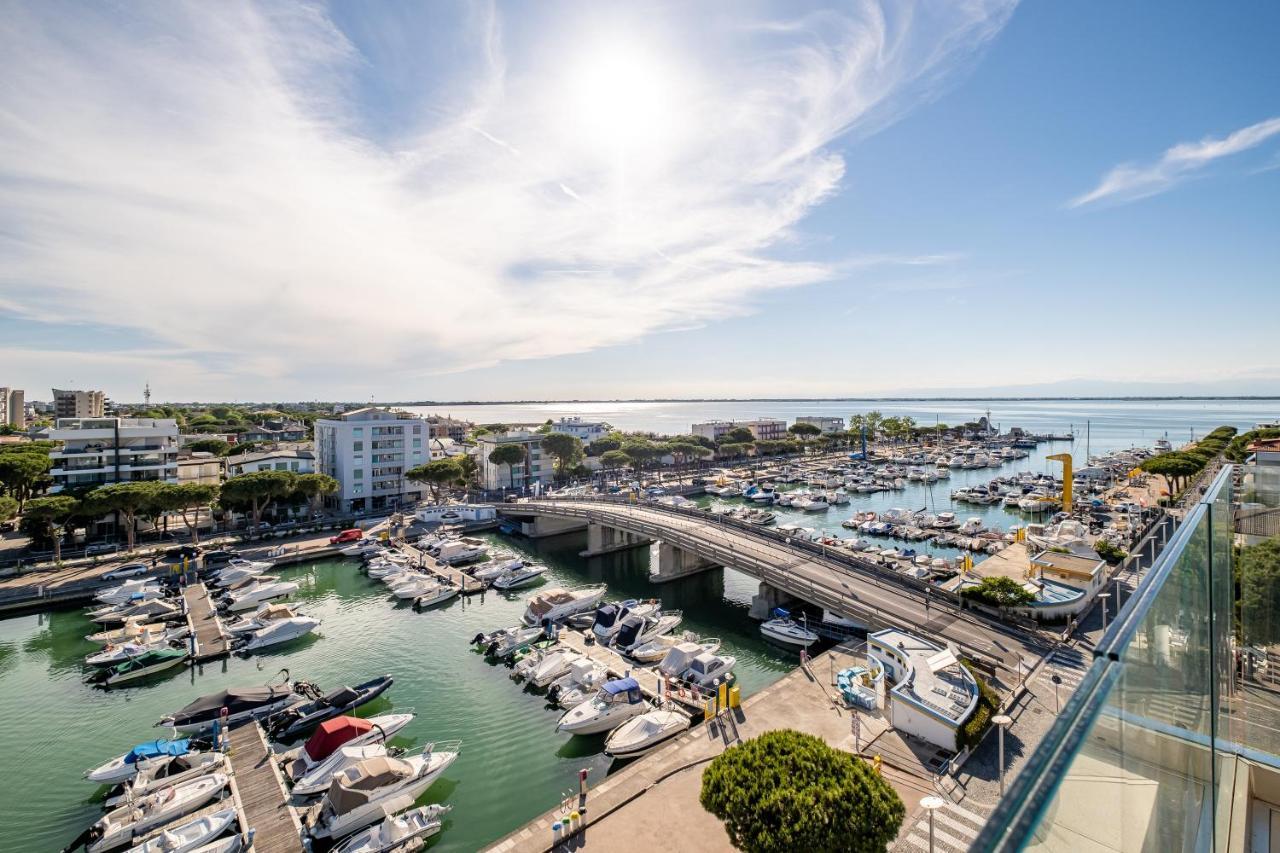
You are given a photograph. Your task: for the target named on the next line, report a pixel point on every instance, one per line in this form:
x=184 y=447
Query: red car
x=347 y=536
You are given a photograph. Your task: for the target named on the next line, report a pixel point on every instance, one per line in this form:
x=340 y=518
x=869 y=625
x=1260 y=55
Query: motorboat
x=242 y=704
x=494 y=568
x=315 y=780
x=413 y=585
x=654 y=650
x=277 y=632
x=615 y=703
x=261 y=618
x=438 y=594
x=608 y=617
x=342 y=731
x=783 y=629
x=150 y=662
x=584 y=679
x=114 y=653
x=694 y=663
x=396 y=832
x=971 y=527
x=361 y=548
x=153 y=610
x=645 y=733
x=122 y=825
x=946 y=521
x=133 y=629
x=369 y=791
x=387 y=571
x=638 y=630
x=552 y=666
x=558 y=604
x=161 y=775
x=813 y=503
x=296 y=720
x=507 y=641
x=139 y=589
x=190 y=836
x=256 y=593
x=144 y=756
x=462 y=551
x=526 y=575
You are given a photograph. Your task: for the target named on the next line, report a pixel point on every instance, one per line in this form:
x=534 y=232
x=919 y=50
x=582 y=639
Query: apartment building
x=202 y=468
x=823 y=422
x=290 y=459
x=443 y=426
x=537 y=470
x=99 y=451
x=13 y=410
x=586 y=431
x=78 y=404
x=762 y=429
x=368 y=451
x=714 y=430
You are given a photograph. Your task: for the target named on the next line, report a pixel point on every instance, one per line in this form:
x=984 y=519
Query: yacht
x=645 y=733
x=638 y=630
x=122 y=825
x=813 y=503
x=1011 y=499
x=693 y=663
x=278 y=631
x=783 y=629
x=946 y=521
x=256 y=593
x=556 y=605
x=316 y=778
x=195 y=836
x=132 y=591
x=526 y=575
x=360 y=795
x=614 y=704
x=584 y=678
x=338 y=732
x=397 y=832
x=654 y=650
x=608 y=618
x=462 y=551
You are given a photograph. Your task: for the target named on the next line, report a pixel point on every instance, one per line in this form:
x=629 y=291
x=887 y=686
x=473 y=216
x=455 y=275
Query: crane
x=1065 y=459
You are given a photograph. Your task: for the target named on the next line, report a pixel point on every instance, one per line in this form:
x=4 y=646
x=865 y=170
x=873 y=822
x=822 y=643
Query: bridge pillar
x=769 y=597
x=675 y=563
x=603 y=539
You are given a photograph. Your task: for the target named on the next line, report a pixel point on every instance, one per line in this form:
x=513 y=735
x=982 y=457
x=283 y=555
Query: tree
x=999 y=592
x=314 y=488
x=734 y=450
x=44 y=518
x=510 y=455
x=8 y=508
x=612 y=460
x=22 y=470
x=685 y=452
x=601 y=446
x=216 y=446
x=188 y=499
x=641 y=451
x=565 y=449
x=785 y=791
x=857 y=423
x=803 y=430
x=128 y=501
x=257 y=491
x=873 y=422
x=1259 y=567
x=436 y=474
x=1175 y=467
x=240 y=448
x=738 y=435
x=469 y=469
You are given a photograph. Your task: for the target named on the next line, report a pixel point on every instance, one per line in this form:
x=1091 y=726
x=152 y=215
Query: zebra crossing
x=954 y=830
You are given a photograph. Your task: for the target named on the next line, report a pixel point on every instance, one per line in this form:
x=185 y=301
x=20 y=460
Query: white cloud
x=1132 y=181
x=207 y=174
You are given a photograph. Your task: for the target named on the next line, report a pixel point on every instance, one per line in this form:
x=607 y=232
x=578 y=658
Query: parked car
x=349 y=535
x=101 y=548
x=129 y=570
x=211 y=557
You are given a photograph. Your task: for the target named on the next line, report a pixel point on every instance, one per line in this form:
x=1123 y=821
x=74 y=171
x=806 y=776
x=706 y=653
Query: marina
x=209 y=639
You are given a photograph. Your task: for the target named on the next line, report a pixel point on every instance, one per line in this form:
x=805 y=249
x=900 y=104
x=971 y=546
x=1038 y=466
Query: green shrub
x=1111 y=553
x=971 y=732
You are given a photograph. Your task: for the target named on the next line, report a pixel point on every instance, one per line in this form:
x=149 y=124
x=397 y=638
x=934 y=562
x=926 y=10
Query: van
x=347 y=536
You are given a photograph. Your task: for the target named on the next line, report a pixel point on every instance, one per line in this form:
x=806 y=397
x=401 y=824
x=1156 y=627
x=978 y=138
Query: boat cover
x=542 y=604
x=605 y=615
x=333 y=734
x=234 y=699
x=156 y=748
x=629 y=632
x=341 y=696
x=679 y=658
x=621 y=685
x=356 y=786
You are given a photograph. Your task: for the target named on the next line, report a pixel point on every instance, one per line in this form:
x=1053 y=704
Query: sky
x=444 y=201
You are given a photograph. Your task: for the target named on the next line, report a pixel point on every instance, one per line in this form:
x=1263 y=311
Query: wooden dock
x=202 y=618
x=263 y=800
x=646 y=676
x=455 y=576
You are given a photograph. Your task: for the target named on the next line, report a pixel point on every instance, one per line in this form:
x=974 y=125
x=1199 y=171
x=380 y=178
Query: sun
x=622 y=99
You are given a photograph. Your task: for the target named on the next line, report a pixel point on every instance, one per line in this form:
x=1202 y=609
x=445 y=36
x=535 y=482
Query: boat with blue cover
x=124 y=767
x=615 y=703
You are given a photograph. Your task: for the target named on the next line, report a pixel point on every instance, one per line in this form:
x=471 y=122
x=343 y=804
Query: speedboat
x=261 y=618
x=397 y=831
x=654 y=650
x=462 y=551
x=946 y=521
x=153 y=610
x=190 y=836
x=256 y=593
x=374 y=788
x=361 y=548
x=614 y=704
x=608 y=618
x=242 y=704
x=383 y=571
x=149 y=663
x=507 y=641
x=553 y=665
x=783 y=629
x=296 y=720
x=122 y=825
x=558 y=604
x=438 y=594
x=339 y=732
x=279 y=631
x=144 y=756
x=680 y=658
x=638 y=630
x=972 y=526
x=516 y=578
x=139 y=589
x=707 y=670
x=133 y=629
x=494 y=568
x=316 y=779
x=584 y=678
x=413 y=585
x=161 y=775
x=645 y=733
x=118 y=653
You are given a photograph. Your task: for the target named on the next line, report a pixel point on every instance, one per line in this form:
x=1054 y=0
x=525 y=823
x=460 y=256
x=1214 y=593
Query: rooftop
x=1073 y=563
x=934 y=681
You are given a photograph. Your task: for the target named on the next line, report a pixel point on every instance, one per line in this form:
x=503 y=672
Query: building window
x=282 y=466
x=357 y=446
x=357 y=431
x=357 y=474
x=417 y=442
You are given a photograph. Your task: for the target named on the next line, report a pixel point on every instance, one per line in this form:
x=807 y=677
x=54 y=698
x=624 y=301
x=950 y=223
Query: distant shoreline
x=1136 y=399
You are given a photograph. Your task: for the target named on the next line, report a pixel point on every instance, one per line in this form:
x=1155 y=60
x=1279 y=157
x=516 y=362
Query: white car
x=132 y=570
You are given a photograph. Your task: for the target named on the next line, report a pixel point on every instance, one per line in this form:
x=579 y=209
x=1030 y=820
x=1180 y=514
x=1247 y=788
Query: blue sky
x=412 y=201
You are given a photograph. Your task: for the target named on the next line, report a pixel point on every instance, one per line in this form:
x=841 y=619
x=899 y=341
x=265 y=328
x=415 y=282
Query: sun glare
x=622 y=101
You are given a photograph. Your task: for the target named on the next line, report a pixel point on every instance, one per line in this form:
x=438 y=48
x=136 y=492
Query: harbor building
x=299 y=461
x=538 y=468
x=932 y=694
x=825 y=423
x=99 y=451
x=368 y=452
x=78 y=404
x=13 y=408
x=586 y=431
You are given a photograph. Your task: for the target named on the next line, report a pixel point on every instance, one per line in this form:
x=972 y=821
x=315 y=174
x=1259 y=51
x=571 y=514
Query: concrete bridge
x=692 y=541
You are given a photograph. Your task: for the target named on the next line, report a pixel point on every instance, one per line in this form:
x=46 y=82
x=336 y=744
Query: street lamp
x=931 y=804
x=1104 y=596
x=1057 y=702
x=1003 y=721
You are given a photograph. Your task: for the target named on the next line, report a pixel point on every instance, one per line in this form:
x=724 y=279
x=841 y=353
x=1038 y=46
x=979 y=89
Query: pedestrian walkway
x=954 y=830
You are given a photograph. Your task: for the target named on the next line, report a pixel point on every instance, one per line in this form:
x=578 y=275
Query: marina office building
x=368 y=451
x=100 y=451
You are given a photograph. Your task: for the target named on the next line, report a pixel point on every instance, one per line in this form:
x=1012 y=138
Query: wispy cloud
x=1131 y=181
x=211 y=174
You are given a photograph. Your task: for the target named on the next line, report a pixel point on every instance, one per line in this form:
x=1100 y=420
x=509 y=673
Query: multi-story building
x=276 y=431
x=13 y=409
x=78 y=404
x=586 y=431
x=537 y=469
x=443 y=426
x=823 y=422
x=297 y=461
x=766 y=429
x=368 y=452
x=714 y=430
x=99 y=451
x=202 y=468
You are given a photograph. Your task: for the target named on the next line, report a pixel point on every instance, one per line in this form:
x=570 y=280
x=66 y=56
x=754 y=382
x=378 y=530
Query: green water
x=513 y=766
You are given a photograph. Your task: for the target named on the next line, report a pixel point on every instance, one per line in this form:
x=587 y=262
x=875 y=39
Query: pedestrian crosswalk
x=954 y=830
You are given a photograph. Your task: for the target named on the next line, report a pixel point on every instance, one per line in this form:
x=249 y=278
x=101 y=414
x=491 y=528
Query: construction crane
x=1065 y=459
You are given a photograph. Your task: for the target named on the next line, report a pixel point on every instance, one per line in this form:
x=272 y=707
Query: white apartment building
x=538 y=468
x=13 y=409
x=587 y=431
x=763 y=429
x=714 y=430
x=297 y=461
x=823 y=422
x=99 y=451
x=368 y=451
x=78 y=404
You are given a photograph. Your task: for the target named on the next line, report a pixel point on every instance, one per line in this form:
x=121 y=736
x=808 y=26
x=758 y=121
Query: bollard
x=557 y=832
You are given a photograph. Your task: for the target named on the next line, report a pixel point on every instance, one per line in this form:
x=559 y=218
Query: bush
x=785 y=791
x=1111 y=553
x=969 y=734
x=998 y=592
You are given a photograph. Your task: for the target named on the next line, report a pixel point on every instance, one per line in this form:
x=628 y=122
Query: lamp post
x=1057 y=702
x=1003 y=721
x=1104 y=596
x=931 y=804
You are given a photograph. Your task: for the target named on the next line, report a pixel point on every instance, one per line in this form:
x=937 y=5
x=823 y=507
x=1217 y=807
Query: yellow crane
x=1065 y=459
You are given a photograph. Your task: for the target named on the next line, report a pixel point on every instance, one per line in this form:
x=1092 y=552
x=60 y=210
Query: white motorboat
x=558 y=604
x=440 y=594
x=971 y=527
x=461 y=551
x=161 y=775
x=784 y=629
x=614 y=704
x=526 y=575
x=154 y=610
x=132 y=630
x=360 y=795
x=609 y=616
x=693 y=663
x=638 y=630
x=494 y=568
x=813 y=503
x=120 y=826
x=361 y=548
x=316 y=779
x=256 y=593
x=946 y=521
x=387 y=571
x=397 y=831
x=584 y=679
x=342 y=731
x=261 y=618
x=654 y=650
x=413 y=585
x=279 y=631
x=115 y=653
x=645 y=733
x=139 y=589
x=190 y=836
x=143 y=758
x=554 y=664
x=508 y=641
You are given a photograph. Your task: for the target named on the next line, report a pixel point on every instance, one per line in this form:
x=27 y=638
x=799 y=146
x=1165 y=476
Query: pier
x=261 y=795
x=467 y=584
x=618 y=666
x=210 y=640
